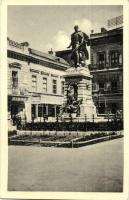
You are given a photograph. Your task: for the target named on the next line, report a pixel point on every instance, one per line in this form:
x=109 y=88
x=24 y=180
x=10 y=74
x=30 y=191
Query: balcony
x=95 y=67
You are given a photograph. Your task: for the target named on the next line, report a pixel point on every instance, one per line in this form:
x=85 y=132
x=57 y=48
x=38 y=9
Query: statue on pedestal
x=78 y=43
x=76 y=78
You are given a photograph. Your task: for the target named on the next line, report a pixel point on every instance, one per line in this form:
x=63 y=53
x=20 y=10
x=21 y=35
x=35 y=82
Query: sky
x=46 y=27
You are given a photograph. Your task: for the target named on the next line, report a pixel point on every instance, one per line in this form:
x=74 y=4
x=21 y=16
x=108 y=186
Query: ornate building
x=35 y=82
x=106 y=49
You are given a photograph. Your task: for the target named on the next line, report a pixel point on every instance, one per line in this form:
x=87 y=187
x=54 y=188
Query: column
x=36 y=111
x=28 y=111
x=107 y=58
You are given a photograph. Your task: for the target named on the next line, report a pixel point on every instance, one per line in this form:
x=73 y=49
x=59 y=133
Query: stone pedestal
x=83 y=79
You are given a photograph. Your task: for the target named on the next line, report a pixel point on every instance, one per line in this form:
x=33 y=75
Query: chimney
x=50 y=52
x=26 y=44
x=103 y=30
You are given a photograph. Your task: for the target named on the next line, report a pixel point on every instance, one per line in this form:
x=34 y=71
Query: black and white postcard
x=64 y=99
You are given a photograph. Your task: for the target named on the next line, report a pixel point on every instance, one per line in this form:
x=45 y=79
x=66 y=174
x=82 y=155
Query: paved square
x=94 y=168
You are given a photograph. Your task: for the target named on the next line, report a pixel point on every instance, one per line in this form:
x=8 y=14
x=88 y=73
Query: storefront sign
x=19 y=98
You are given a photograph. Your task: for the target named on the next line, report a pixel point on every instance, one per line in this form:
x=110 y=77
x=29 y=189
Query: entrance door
x=113 y=108
x=14 y=112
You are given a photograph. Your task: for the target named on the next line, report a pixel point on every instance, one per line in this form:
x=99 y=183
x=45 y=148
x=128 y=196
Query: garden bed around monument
x=61 y=139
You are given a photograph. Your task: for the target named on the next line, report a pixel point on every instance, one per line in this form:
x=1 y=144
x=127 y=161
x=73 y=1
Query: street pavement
x=94 y=168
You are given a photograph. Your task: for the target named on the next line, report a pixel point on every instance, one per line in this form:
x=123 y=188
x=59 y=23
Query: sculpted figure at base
x=73 y=104
x=78 y=43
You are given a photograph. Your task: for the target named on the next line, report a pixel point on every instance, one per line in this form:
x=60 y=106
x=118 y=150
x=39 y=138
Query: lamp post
x=85 y=122
x=57 y=120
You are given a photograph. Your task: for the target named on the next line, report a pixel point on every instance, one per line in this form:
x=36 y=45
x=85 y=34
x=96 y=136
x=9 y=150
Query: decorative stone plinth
x=81 y=80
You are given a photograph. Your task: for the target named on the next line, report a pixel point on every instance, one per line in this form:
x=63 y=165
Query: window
x=114 y=58
x=44 y=84
x=101 y=85
x=101 y=59
x=113 y=108
x=62 y=87
x=108 y=86
x=94 y=86
x=54 y=86
x=34 y=83
x=51 y=111
x=114 y=85
x=14 y=79
x=101 y=108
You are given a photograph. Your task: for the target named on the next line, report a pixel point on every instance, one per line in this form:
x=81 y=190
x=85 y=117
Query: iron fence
x=114 y=125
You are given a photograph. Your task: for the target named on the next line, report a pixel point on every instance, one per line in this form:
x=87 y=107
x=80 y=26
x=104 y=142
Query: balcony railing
x=107 y=67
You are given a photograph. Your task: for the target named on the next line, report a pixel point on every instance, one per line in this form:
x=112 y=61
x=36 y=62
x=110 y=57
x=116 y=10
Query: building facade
x=106 y=53
x=35 y=83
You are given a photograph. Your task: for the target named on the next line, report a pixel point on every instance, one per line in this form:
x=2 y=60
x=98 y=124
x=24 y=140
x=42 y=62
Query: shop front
x=17 y=109
x=45 y=107
x=41 y=112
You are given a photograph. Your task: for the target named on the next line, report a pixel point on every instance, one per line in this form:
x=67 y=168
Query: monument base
x=82 y=79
